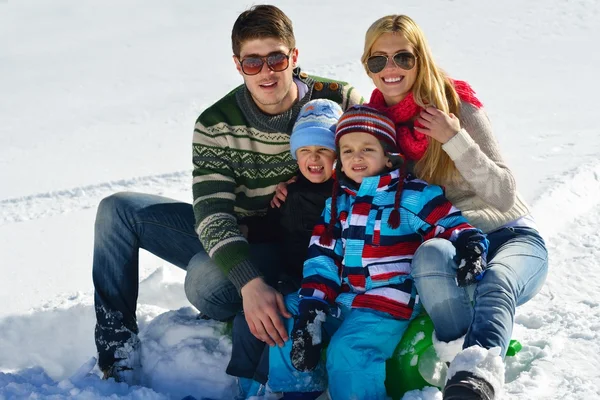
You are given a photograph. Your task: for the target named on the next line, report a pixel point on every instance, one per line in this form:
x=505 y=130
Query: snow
x=314 y=328
x=446 y=351
x=99 y=97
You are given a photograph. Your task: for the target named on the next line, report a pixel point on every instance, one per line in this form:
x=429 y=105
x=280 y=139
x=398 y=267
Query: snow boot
x=466 y=386
x=127 y=366
x=475 y=374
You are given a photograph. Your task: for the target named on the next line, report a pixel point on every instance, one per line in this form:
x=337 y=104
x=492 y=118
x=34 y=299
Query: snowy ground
x=102 y=97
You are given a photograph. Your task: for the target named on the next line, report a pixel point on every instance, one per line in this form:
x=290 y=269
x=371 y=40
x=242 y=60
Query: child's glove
x=306 y=334
x=471 y=248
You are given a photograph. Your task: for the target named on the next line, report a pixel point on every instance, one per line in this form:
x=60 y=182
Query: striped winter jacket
x=368 y=264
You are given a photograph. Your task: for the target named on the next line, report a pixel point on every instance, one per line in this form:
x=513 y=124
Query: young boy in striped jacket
x=357 y=291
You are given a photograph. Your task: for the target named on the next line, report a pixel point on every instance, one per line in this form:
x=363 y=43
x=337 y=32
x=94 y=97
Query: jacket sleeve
x=351 y=97
x=477 y=157
x=438 y=218
x=214 y=199
x=322 y=268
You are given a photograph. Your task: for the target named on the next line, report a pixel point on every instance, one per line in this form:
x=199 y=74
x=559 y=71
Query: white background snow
x=97 y=97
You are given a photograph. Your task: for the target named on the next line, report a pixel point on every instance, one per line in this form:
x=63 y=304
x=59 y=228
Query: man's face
x=273 y=92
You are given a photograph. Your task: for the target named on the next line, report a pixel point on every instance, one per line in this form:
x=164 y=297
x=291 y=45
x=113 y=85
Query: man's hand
x=263 y=307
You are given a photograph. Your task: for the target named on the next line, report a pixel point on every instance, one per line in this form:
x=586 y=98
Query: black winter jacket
x=292 y=223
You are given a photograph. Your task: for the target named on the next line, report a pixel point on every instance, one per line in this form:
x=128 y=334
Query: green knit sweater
x=240 y=154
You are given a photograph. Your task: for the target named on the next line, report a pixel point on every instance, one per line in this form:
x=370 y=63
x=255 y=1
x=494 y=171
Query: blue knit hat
x=315 y=125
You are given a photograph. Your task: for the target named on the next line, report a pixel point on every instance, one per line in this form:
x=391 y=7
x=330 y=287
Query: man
x=240 y=153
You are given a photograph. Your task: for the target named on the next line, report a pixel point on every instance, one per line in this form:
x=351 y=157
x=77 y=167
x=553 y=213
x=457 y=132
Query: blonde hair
x=432 y=87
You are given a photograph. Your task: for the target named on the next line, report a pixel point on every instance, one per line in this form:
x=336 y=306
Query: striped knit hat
x=365 y=119
x=315 y=125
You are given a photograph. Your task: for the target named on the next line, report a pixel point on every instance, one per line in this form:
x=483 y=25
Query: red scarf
x=410 y=143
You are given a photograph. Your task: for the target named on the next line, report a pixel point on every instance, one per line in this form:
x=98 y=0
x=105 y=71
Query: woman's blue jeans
x=517 y=269
x=127 y=222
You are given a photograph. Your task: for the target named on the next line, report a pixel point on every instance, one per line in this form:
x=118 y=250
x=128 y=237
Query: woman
x=441 y=126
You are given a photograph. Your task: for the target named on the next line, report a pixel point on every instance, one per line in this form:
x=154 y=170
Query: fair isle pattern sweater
x=368 y=263
x=240 y=154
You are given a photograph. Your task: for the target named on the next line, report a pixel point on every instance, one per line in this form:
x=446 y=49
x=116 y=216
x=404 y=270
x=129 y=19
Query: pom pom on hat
x=315 y=125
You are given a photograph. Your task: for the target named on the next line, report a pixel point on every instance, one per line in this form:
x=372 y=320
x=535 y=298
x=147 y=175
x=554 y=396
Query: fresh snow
x=102 y=97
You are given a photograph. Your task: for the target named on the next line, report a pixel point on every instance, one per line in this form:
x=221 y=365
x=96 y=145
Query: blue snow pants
x=360 y=342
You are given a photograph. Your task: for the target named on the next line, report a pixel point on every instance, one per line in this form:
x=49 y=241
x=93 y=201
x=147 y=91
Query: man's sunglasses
x=276 y=62
x=404 y=59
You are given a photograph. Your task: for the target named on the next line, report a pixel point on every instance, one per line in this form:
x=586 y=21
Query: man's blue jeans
x=127 y=222
x=517 y=269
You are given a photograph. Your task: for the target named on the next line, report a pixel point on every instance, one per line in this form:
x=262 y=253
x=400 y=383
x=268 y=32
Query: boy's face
x=315 y=163
x=273 y=92
x=362 y=156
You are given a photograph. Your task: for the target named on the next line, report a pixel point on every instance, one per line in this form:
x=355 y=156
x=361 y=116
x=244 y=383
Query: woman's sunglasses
x=404 y=59
x=276 y=62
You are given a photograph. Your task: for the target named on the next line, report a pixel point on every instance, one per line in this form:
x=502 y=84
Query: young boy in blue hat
x=312 y=145
x=357 y=292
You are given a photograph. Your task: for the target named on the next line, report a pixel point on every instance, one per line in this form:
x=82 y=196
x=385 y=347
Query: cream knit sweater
x=486 y=191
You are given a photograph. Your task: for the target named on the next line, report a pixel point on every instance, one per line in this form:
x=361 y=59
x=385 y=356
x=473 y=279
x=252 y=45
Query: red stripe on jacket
x=438 y=213
x=380 y=303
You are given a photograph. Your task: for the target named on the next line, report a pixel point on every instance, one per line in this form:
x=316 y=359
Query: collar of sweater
x=371 y=185
x=273 y=123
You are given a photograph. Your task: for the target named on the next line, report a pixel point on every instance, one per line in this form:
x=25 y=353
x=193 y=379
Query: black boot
x=466 y=386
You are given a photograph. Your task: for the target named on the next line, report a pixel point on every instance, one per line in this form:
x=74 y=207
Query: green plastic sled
x=415 y=354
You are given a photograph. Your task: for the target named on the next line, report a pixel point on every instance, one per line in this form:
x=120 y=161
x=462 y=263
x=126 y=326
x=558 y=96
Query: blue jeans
x=517 y=269
x=127 y=222
x=360 y=342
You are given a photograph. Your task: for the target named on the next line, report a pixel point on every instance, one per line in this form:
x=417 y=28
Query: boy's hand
x=307 y=342
x=470 y=270
x=470 y=257
x=281 y=192
x=263 y=306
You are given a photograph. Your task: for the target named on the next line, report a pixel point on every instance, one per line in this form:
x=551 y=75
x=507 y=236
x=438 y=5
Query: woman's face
x=394 y=82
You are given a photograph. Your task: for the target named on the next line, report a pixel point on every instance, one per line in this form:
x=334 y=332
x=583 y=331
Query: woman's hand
x=281 y=192
x=437 y=124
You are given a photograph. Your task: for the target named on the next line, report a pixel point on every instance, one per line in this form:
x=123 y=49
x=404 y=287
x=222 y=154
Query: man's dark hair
x=261 y=22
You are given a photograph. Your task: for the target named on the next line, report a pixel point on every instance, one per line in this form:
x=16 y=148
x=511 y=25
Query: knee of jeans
x=209 y=290
x=114 y=202
x=500 y=281
x=212 y=307
x=114 y=207
x=434 y=257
